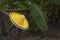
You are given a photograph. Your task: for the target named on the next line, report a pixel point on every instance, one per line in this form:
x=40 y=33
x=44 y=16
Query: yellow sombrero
x=19 y=20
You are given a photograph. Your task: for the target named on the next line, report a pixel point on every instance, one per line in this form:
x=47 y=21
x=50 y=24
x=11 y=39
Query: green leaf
x=39 y=17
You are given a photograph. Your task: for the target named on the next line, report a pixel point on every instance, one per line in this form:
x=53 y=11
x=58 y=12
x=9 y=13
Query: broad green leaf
x=39 y=17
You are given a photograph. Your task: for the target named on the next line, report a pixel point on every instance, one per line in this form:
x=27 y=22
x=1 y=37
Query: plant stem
x=5 y=12
x=4 y=24
x=19 y=35
x=42 y=3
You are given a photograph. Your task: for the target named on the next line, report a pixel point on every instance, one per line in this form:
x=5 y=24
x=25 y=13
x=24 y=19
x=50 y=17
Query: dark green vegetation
x=38 y=12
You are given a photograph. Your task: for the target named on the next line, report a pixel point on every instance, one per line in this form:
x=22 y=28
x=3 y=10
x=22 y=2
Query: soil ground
x=52 y=34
